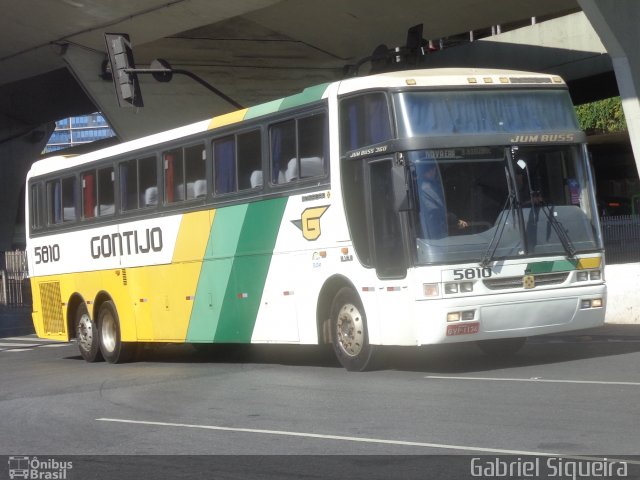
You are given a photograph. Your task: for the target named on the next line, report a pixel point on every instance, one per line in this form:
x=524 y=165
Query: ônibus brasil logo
x=40 y=469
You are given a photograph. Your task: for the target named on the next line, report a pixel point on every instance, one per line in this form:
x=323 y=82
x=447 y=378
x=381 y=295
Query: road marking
x=23 y=344
x=532 y=380
x=28 y=338
x=383 y=441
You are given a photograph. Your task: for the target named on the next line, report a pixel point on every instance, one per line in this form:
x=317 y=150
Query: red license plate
x=463 y=329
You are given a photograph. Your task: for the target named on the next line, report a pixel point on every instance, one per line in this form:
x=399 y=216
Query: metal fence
x=15 y=290
x=621 y=238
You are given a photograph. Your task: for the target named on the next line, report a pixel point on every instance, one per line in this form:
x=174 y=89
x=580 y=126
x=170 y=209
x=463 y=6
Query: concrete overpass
x=52 y=54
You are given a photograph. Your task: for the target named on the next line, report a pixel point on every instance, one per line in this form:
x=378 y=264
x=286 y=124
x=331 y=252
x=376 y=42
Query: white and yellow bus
x=408 y=208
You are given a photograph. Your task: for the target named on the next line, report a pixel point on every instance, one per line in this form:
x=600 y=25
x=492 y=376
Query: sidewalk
x=15 y=321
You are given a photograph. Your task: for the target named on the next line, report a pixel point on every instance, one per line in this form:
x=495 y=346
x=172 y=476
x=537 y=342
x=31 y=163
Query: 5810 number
x=47 y=253
x=471 y=273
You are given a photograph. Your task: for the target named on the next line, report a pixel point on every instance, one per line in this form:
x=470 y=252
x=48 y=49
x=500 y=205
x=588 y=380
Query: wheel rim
x=85 y=332
x=350 y=330
x=108 y=331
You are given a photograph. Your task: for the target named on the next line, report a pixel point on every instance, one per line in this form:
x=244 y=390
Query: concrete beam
x=615 y=22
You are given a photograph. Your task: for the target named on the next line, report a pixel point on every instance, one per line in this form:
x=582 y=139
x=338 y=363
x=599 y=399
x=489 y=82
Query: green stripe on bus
x=264 y=109
x=549 y=267
x=215 y=272
x=249 y=272
x=308 y=95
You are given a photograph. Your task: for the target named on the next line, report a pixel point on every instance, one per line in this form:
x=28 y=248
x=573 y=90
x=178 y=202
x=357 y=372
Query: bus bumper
x=509 y=315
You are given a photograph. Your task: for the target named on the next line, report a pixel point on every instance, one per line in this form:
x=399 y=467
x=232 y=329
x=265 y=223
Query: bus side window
x=194 y=166
x=148 y=181
x=364 y=120
x=106 y=194
x=69 y=199
x=174 y=187
x=129 y=185
x=35 y=207
x=88 y=194
x=249 y=158
x=283 y=150
x=312 y=146
x=54 y=202
x=224 y=157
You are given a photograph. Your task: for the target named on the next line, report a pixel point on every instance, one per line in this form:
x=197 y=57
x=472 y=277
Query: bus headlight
x=464 y=287
x=468 y=315
x=595 y=275
x=591 y=303
x=582 y=276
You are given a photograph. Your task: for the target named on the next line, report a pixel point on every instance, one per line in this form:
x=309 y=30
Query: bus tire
x=501 y=347
x=87 y=335
x=349 y=335
x=113 y=349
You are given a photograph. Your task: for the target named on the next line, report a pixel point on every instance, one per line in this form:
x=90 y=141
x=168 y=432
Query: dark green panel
x=249 y=271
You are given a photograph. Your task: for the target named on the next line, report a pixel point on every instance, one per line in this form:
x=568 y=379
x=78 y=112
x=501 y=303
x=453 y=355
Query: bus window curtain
x=353 y=126
x=57 y=202
x=276 y=154
x=377 y=114
x=124 y=194
x=485 y=112
x=168 y=175
x=88 y=195
x=224 y=154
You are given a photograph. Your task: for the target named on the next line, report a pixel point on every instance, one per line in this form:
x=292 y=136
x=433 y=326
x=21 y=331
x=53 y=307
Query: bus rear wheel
x=501 y=347
x=349 y=334
x=113 y=349
x=87 y=335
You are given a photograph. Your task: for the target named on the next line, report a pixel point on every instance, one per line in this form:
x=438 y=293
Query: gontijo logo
x=34 y=468
x=309 y=222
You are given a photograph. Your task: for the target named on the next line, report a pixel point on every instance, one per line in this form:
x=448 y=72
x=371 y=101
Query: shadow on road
x=440 y=359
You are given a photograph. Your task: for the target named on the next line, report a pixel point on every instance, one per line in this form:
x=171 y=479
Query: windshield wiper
x=511 y=200
x=559 y=229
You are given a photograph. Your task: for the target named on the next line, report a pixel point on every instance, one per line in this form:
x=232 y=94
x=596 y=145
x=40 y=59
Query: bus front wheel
x=349 y=334
x=87 y=335
x=113 y=349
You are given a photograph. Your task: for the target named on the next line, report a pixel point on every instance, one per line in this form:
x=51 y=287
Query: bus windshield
x=502 y=202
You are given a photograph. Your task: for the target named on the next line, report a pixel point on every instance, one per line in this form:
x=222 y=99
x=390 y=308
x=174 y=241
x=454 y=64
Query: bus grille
x=51 y=307
x=517 y=282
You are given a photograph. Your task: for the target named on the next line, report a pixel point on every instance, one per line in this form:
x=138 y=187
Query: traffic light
x=123 y=71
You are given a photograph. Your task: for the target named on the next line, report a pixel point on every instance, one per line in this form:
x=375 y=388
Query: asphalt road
x=291 y=410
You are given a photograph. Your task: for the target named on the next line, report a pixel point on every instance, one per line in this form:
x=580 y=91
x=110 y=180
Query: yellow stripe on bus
x=227 y=119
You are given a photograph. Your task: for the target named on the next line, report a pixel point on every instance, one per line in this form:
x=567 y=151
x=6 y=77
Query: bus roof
x=398 y=79
x=442 y=77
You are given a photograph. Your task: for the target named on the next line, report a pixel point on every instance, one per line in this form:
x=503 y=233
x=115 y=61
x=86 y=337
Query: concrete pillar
x=616 y=23
x=16 y=157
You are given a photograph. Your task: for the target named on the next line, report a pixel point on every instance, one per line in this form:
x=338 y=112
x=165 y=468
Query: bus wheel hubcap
x=108 y=332
x=85 y=332
x=350 y=330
